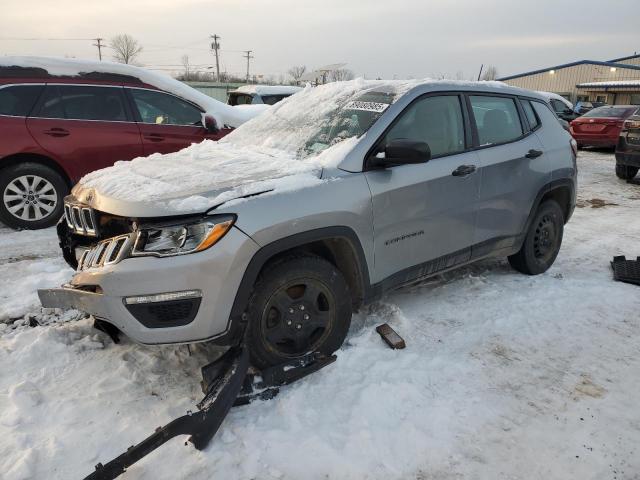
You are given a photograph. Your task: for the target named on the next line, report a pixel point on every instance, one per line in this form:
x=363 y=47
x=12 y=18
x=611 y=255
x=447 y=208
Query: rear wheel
x=31 y=196
x=299 y=305
x=626 y=172
x=542 y=243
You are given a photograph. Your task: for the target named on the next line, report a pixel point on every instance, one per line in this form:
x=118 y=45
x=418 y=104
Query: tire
x=24 y=182
x=542 y=242
x=626 y=172
x=298 y=305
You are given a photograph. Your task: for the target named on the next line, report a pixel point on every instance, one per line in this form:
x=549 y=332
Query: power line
x=44 y=39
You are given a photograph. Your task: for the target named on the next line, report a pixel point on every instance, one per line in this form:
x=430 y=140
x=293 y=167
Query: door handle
x=463 y=170
x=57 y=132
x=533 y=153
x=154 y=137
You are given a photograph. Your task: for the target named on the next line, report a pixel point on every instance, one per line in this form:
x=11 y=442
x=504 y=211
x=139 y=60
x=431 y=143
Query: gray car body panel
x=403 y=217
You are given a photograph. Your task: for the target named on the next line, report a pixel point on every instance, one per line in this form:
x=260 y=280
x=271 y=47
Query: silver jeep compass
x=274 y=235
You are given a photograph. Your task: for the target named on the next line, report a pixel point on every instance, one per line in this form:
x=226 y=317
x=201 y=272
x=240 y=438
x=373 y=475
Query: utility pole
x=99 y=45
x=248 y=56
x=215 y=46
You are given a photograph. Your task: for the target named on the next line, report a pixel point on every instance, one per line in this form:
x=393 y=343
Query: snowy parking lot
x=504 y=376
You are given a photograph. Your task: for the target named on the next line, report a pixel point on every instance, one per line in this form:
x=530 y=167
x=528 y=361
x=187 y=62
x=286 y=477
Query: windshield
x=610 y=112
x=352 y=120
x=319 y=117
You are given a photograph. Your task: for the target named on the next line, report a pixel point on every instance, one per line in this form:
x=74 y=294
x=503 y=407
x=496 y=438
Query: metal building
x=616 y=82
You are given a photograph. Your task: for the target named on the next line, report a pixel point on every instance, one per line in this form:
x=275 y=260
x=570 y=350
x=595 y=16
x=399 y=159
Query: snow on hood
x=223 y=113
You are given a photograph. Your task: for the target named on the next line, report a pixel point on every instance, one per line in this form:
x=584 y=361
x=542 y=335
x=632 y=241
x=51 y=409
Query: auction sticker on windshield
x=366 y=106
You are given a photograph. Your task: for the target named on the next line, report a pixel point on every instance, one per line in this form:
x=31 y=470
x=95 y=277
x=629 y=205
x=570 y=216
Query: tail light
x=574 y=148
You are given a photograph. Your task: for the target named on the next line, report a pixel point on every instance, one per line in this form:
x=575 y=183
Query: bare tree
x=125 y=48
x=340 y=75
x=297 y=72
x=491 y=73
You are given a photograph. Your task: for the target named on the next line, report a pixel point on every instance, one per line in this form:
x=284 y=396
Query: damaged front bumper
x=179 y=299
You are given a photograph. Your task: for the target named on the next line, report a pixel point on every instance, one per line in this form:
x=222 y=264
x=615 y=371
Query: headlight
x=182 y=238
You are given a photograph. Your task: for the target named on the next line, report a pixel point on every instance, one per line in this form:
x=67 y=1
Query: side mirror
x=402 y=151
x=210 y=124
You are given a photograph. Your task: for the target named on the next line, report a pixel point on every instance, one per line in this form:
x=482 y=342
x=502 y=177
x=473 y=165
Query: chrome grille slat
x=106 y=252
x=80 y=219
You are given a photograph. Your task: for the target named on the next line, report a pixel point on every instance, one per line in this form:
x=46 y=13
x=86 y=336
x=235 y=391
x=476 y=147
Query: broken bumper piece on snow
x=226 y=382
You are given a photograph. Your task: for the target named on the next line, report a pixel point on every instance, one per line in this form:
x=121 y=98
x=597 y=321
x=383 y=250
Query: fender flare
x=549 y=187
x=237 y=321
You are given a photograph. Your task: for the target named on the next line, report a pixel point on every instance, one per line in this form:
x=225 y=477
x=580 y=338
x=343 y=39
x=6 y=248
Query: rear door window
x=558 y=106
x=496 y=118
x=80 y=102
x=530 y=114
x=51 y=104
x=240 y=99
x=93 y=103
x=18 y=100
x=163 y=109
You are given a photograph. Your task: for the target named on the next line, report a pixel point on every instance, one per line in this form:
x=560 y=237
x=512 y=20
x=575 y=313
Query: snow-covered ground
x=504 y=376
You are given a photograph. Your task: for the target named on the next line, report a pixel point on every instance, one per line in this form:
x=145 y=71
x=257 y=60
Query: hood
x=199 y=178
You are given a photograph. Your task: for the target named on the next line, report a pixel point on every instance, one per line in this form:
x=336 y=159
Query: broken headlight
x=178 y=239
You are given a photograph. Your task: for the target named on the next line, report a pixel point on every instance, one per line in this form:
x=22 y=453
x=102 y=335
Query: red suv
x=54 y=130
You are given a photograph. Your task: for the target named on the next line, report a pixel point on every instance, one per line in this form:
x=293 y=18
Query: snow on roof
x=268 y=89
x=555 y=96
x=613 y=83
x=71 y=67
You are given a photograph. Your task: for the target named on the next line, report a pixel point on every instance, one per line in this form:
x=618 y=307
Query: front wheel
x=32 y=196
x=299 y=305
x=626 y=172
x=542 y=242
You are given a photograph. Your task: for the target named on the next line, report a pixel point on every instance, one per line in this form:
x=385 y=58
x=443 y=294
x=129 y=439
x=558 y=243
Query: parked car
x=261 y=94
x=601 y=126
x=56 y=127
x=628 y=148
x=276 y=229
x=583 y=107
x=562 y=107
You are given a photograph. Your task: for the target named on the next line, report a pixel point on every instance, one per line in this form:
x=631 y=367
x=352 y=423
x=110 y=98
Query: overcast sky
x=402 y=38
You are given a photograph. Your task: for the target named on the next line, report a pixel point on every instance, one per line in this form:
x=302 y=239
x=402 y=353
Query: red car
x=601 y=126
x=55 y=129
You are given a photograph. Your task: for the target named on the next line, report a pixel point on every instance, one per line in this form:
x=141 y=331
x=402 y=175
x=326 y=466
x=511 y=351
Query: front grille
x=106 y=252
x=80 y=219
x=172 y=313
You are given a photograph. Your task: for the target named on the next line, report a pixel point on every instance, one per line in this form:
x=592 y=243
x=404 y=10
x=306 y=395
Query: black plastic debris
x=227 y=382
x=627 y=271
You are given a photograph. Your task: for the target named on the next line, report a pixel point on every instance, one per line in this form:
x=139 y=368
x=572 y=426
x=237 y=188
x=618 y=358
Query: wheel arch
x=19 y=158
x=562 y=191
x=339 y=245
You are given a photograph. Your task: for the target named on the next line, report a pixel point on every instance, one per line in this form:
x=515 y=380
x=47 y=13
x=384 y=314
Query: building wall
x=564 y=80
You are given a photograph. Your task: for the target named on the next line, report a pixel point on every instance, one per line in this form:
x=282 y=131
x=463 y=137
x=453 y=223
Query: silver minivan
x=274 y=235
